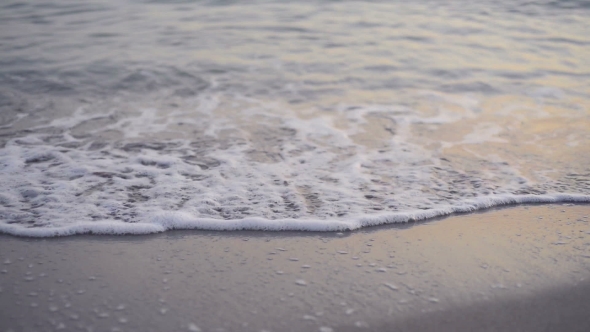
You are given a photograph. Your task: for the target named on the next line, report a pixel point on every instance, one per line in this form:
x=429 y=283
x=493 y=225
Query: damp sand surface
x=520 y=268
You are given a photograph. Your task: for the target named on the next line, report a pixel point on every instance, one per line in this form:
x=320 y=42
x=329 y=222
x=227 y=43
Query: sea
x=141 y=116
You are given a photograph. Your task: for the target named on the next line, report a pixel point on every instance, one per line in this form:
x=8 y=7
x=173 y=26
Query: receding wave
x=351 y=167
x=286 y=116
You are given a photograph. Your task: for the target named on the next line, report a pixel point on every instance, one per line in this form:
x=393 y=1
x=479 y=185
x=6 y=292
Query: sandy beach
x=270 y=166
x=523 y=268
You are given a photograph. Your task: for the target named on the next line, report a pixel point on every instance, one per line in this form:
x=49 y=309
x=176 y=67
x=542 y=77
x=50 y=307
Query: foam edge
x=170 y=220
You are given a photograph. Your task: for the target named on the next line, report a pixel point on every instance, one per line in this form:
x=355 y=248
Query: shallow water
x=141 y=116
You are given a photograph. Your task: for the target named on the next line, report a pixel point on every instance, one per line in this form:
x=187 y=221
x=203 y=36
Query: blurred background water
x=296 y=51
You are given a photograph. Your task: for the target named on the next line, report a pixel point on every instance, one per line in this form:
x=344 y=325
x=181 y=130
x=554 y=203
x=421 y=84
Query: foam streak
x=164 y=221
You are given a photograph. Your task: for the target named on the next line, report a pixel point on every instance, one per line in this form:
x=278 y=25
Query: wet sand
x=521 y=268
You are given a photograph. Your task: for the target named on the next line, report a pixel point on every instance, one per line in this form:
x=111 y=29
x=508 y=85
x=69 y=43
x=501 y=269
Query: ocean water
x=132 y=117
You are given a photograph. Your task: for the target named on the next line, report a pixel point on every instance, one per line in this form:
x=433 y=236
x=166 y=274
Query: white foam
x=165 y=221
x=278 y=173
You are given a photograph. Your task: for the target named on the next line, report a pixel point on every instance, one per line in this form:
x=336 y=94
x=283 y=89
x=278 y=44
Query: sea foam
x=177 y=220
x=146 y=171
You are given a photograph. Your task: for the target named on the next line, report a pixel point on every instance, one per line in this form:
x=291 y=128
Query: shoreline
x=488 y=271
x=173 y=220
